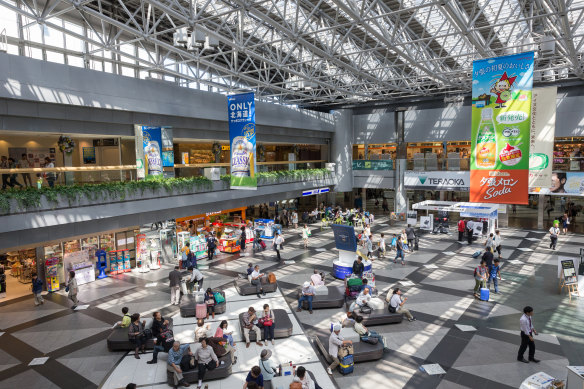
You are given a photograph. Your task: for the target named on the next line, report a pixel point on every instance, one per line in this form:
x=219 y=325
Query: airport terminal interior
x=291 y=194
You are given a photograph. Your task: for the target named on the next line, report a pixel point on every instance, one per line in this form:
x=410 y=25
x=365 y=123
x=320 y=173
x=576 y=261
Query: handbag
x=370 y=340
x=266 y=321
x=344 y=350
x=366 y=309
x=392 y=309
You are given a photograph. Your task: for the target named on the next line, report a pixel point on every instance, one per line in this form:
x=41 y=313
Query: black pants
x=202 y=369
x=469 y=236
x=277 y=252
x=210 y=252
x=525 y=342
x=498 y=248
x=157 y=348
x=460 y=235
x=6 y=181
x=269 y=332
x=554 y=242
x=242 y=244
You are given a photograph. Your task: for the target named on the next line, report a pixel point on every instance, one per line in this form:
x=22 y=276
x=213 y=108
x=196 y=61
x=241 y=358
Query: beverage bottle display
x=153 y=158
x=486 y=149
x=241 y=157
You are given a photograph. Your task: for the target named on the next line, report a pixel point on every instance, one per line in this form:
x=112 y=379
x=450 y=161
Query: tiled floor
x=439 y=279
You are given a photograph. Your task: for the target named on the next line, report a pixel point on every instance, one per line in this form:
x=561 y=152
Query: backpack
x=271 y=278
x=370 y=340
x=218 y=298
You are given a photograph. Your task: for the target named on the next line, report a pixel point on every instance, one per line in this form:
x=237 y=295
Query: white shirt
x=497 y=240
x=555 y=231
x=395 y=301
x=306 y=382
x=305 y=232
x=255 y=274
x=197 y=275
x=469 y=225
x=363 y=298
x=334 y=342
x=524 y=324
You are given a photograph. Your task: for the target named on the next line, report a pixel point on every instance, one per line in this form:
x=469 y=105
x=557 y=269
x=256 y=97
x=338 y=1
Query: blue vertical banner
x=152 y=142
x=242 y=138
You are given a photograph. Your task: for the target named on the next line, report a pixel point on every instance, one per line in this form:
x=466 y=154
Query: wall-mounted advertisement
x=437 y=180
x=242 y=137
x=361 y=164
x=500 y=132
x=152 y=141
x=563 y=183
x=167 y=148
x=541 y=142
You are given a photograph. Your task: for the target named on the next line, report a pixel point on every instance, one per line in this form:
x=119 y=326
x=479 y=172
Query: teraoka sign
x=437 y=180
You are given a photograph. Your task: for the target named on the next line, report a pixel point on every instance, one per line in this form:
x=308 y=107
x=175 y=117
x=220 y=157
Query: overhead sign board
x=437 y=180
x=315 y=191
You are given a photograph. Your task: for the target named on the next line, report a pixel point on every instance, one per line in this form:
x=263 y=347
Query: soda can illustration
x=154 y=159
x=241 y=157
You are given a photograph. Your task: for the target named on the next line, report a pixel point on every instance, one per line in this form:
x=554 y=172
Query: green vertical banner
x=501 y=120
x=242 y=136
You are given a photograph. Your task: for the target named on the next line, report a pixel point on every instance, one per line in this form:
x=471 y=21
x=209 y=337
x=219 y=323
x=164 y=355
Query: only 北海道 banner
x=501 y=120
x=242 y=137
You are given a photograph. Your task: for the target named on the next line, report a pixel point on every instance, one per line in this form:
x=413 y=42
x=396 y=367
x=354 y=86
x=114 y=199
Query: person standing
x=256 y=240
x=358 y=267
x=72 y=289
x=382 y=246
x=295 y=219
x=242 y=238
x=554 y=232
x=50 y=176
x=37 y=289
x=268 y=367
x=411 y=235
x=369 y=245
x=497 y=240
x=461 y=228
x=5 y=177
x=494 y=275
x=384 y=205
x=565 y=218
x=527 y=333
x=174 y=277
x=469 y=231
x=13 y=181
x=480 y=275
x=335 y=341
x=305 y=235
x=211 y=246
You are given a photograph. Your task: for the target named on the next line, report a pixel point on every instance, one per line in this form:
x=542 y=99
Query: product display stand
x=343 y=267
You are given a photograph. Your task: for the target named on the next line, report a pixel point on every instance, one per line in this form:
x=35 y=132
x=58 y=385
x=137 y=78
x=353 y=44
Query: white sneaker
x=328 y=370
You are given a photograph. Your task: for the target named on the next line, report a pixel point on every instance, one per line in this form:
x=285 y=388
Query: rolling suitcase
x=201 y=311
x=263 y=244
x=485 y=294
x=346 y=364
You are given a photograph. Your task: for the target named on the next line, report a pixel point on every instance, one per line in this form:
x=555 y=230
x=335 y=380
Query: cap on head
x=337 y=327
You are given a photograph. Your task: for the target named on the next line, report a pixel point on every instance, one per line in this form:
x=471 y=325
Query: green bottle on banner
x=486 y=146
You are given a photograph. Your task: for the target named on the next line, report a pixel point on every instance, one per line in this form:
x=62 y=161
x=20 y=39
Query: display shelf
x=229 y=245
x=198 y=246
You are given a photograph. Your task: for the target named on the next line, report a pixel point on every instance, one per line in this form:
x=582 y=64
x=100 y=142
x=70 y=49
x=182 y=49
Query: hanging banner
x=152 y=141
x=167 y=147
x=543 y=129
x=500 y=134
x=241 y=113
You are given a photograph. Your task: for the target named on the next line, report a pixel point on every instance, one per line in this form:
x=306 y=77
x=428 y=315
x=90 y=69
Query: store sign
x=541 y=141
x=500 y=132
x=315 y=191
x=437 y=180
x=361 y=164
x=242 y=136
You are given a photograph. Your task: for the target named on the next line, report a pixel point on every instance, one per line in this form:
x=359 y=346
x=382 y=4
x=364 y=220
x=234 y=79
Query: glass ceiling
x=311 y=53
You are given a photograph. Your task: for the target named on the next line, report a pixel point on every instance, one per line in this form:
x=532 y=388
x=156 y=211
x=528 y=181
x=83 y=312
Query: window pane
x=75 y=61
x=55 y=57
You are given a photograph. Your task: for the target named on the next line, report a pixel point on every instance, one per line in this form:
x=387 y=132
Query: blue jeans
x=229 y=339
x=374 y=334
x=495 y=282
x=256 y=245
x=157 y=348
x=305 y=298
x=269 y=332
x=400 y=254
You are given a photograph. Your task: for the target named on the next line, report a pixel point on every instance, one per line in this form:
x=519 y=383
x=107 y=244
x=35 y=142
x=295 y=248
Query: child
x=249 y=269
x=394 y=241
x=494 y=272
x=126 y=319
x=382 y=246
x=37 y=289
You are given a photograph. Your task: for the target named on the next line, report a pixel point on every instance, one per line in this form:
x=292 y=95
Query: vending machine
x=52 y=274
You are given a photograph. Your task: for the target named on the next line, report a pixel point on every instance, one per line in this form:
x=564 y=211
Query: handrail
x=227 y=164
x=67 y=169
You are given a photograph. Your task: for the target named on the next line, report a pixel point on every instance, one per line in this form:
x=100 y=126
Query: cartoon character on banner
x=502 y=88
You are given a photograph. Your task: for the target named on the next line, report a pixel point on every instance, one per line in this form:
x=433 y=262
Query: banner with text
x=500 y=132
x=361 y=164
x=437 y=180
x=242 y=136
x=152 y=146
x=543 y=129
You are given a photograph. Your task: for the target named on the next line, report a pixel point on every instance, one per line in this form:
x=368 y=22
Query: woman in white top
x=201 y=330
x=305 y=235
x=295 y=219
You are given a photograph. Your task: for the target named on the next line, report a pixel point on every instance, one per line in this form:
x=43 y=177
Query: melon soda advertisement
x=501 y=120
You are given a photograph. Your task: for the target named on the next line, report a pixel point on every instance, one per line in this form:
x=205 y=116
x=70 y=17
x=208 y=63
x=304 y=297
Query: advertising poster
x=361 y=164
x=152 y=141
x=541 y=142
x=89 y=155
x=500 y=132
x=562 y=183
x=242 y=137
x=345 y=237
x=167 y=147
x=412 y=218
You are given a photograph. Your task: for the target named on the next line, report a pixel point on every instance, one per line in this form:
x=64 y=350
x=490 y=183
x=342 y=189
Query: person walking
x=174 y=277
x=50 y=176
x=13 y=180
x=400 y=252
x=494 y=275
x=277 y=244
x=498 y=240
x=72 y=289
x=565 y=221
x=369 y=245
x=527 y=333
x=461 y=228
x=411 y=235
x=295 y=219
x=256 y=240
x=37 y=289
x=382 y=246
x=384 y=205
x=554 y=232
